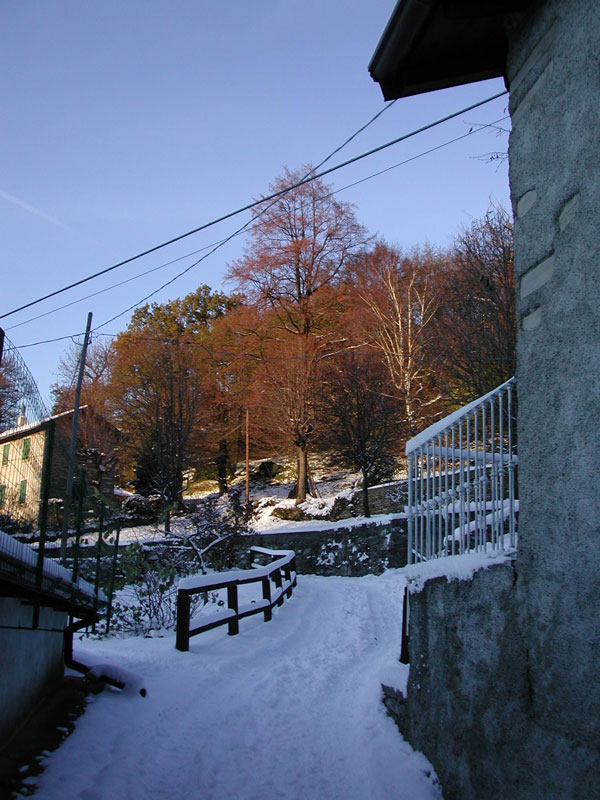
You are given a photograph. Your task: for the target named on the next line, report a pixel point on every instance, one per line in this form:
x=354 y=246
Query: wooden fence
x=281 y=572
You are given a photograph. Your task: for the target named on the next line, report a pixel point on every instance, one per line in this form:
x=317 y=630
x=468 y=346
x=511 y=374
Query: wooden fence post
x=278 y=583
x=404 y=644
x=182 y=640
x=266 y=593
x=287 y=571
x=232 y=603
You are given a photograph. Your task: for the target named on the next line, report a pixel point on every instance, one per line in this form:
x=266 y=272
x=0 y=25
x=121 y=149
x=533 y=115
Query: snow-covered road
x=288 y=709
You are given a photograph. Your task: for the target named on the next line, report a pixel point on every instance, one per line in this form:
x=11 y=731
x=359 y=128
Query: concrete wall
x=555 y=186
x=471 y=705
x=466 y=680
x=504 y=688
x=29 y=659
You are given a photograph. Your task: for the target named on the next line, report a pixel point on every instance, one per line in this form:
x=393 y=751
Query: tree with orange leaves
x=292 y=268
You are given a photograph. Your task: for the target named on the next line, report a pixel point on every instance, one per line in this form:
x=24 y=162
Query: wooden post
x=287 y=571
x=404 y=644
x=266 y=593
x=182 y=640
x=278 y=584
x=232 y=603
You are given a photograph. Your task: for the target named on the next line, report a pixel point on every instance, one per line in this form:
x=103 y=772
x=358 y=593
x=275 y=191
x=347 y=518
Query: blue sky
x=128 y=123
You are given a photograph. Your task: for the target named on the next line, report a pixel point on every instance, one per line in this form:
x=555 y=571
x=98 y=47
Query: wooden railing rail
x=281 y=571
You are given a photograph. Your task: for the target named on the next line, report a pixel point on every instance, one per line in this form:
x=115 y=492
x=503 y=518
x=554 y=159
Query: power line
x=236 y=233
x=113 y=286
x=252 y=205
x=269 y=204
x=215 y=246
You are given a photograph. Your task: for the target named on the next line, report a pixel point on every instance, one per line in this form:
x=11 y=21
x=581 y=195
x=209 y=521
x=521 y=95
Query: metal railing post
x=458 y=498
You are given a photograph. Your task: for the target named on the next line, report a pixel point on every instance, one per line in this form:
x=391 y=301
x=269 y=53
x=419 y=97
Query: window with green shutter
x=26 y=448
x=2 y=494
x=5 y=450
x=22 y=492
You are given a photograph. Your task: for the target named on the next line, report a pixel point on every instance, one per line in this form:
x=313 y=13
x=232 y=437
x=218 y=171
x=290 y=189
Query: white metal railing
x=462 y=480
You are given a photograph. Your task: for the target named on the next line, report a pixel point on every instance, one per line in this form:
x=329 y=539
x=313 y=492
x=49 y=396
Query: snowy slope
x=288 y=709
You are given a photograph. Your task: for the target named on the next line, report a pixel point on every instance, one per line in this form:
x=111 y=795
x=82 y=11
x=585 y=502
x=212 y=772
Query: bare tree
x=402 y=295
x=476 y=327
x=362 y=418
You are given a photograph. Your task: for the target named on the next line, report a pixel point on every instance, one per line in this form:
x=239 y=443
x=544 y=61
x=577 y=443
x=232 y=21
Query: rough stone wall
x=555 y=185
x=471 y=705
x=504 y=687
x=361 y=550
x=388 y=498
x=467 y=684
x=29 y=659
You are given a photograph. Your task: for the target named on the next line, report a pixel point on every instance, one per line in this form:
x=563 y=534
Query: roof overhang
x=435 y=44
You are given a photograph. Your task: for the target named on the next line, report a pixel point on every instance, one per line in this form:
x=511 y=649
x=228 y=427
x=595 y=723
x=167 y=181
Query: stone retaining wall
x=360 y=550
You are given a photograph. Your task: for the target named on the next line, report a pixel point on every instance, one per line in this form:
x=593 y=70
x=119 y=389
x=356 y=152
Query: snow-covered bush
x=148 y=597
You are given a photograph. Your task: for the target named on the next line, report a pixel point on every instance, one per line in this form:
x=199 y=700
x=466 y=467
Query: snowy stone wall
x=387 y=498
x=359 y=550
x=467 y=683
x=29 y=659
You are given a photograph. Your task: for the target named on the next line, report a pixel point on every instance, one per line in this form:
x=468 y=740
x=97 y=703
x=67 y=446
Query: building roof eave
x=436 y=44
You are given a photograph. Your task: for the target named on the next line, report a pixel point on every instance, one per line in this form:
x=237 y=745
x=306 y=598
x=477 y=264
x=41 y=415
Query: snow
x=290 y=708
x=272 y=525
x=27 y=555
x=458 y=567
x=236 y=575
x=451 y=419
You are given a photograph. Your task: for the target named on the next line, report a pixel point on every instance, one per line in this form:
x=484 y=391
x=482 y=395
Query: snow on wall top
x=458 y=567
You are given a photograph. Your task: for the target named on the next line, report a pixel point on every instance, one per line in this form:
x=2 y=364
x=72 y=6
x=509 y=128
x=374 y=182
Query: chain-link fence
x=34 y=462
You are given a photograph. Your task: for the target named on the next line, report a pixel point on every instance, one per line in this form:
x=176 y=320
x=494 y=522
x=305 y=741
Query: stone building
x=504 y=688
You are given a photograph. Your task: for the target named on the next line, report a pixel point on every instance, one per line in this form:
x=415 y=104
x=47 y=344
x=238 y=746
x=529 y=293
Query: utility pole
x=247 y=458
x=73 y=447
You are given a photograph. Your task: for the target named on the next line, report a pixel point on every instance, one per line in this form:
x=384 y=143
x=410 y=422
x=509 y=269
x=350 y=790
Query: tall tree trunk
x=221 y=462
x=365 y=494
x=302 y=482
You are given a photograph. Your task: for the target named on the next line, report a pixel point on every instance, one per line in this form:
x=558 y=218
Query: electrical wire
x=336 y=191
x=252 y=205
x=214 y=245
x=237 y=233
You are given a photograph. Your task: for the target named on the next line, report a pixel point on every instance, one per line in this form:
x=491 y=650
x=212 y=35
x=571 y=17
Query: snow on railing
x=24 y=558
x=462 y=480
x=281 y=571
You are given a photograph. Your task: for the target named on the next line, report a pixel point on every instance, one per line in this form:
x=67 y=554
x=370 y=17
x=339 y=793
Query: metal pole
x=71 y=462
x=1 y=344
x=247 y=457
x=43 y=518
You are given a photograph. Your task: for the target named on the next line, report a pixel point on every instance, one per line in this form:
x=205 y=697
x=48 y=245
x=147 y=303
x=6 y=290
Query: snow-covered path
x=288 y=709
